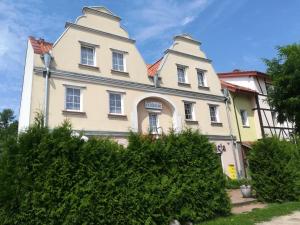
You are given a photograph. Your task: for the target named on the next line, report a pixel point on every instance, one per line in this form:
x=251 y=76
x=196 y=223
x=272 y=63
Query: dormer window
x=87 y=56
x=181 y=74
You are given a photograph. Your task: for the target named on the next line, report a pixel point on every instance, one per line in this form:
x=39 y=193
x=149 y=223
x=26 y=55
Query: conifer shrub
x=275 y=170
x=50 y=177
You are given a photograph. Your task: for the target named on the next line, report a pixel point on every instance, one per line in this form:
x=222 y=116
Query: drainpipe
x=227 y=98
x=238 y=128
x=47 y=61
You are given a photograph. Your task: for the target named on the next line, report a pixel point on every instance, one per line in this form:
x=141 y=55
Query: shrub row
x=275 y=170
x=54 y=178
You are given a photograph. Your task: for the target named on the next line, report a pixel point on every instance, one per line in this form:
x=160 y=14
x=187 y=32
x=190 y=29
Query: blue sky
x=234 y=33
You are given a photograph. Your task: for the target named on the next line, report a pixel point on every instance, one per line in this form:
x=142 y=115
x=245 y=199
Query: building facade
x=98 y=80
x=259 y=82
x=244 y=120
x=251 y=116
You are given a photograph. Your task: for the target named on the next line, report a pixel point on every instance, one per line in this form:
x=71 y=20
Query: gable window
x=153 y=123
x=118 y=61
x=213 y=110
x=73 y=99
x=87 y=56
x=201 y=79
x=244 y=117
x=181 y=74
x=188 y=110
x=115 y=103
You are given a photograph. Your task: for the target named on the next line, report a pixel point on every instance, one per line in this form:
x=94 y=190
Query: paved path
x=240 y=204
x=292 y=219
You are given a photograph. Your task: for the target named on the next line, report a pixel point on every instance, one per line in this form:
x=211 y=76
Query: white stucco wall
x=24 y=115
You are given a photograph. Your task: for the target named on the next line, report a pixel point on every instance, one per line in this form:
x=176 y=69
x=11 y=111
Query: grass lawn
x=257 y=215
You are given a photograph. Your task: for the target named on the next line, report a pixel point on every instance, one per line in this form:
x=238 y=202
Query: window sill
x=216 y=124
x=120 y=72
x=113 y=115
x=246 y=126
x=191 y=121
x=184 y=84
x=69 y=112
x=88 y=66
x=203 y=88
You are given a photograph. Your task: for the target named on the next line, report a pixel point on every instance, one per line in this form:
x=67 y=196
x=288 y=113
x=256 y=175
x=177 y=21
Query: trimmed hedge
x=53 y=178
x=236 y=184
x=275 y=170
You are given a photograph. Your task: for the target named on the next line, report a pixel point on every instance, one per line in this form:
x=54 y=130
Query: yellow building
x=97 y=79
x=241 y=102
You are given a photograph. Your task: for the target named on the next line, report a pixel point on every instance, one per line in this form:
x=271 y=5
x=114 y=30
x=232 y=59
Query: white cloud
x=187 y=20
x=18 y=20
x=160 y=18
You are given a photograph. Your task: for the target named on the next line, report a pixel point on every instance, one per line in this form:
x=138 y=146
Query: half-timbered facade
x=266 y=116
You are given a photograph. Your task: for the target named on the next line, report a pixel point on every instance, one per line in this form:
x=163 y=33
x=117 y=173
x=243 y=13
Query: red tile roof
x=152 y=69
x=40 y=46
x=239 y=73
x=237 y=88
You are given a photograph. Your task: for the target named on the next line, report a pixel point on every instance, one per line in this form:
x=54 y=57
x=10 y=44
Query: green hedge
x=275 y=170
x=53 y=178
x=235 y=184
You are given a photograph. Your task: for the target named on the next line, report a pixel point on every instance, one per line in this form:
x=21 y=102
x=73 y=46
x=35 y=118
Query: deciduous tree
x=284 y=96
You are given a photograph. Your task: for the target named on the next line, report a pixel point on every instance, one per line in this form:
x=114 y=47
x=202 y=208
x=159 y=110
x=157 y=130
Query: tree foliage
x=8 y=124
x=50 y=177
x=284 y=97
x=275 y=170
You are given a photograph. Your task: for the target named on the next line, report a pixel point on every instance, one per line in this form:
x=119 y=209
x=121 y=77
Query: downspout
x=238 y=126
x=47 y=61
x=231 y=134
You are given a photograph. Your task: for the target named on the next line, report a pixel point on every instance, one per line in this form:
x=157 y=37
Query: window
x=213 y=114
x=115 y=103
x=153 y=122
x=181 y=74
x=201 y=79
x=118 y=61
x=188 y=110
x=73 y=99
x=244 y=117
x=87 y=56
x=274 y=117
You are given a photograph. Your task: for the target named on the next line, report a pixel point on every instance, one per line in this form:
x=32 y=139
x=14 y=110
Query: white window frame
x=204 y=78
x=216 y=113
x=81 y=98
x=122 y=102
x=192 y=104
x=157 y=122
x=124 y=60
x=244 y=112
x=184 y=68
x=94 y=55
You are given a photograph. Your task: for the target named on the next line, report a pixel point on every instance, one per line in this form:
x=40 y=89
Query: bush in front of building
x=50 y=177
x=178 y=176
x=275 y=170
